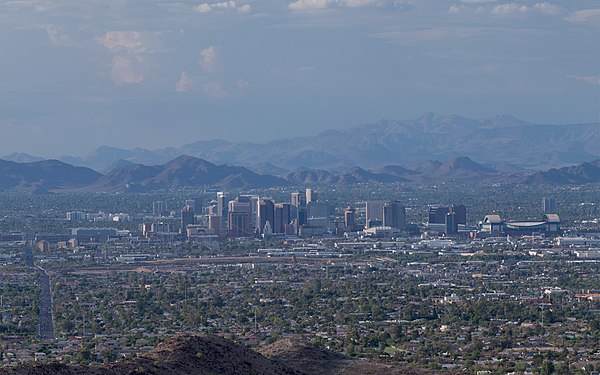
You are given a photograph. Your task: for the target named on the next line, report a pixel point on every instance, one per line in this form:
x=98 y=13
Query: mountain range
x=188 y=171
x=502 y=140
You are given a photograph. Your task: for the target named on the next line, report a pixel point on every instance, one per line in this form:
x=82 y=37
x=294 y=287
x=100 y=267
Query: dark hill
x=214 y=355
x=182 y=171
x=584 y=173
x=182 y=355
x=311 y=176
x=43 y=176
x=359 y=175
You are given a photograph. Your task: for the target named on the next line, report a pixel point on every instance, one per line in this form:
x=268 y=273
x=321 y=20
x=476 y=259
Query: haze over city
x=77 y=75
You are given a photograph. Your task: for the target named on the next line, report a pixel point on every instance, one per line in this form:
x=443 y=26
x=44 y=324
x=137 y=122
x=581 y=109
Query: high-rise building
x=461 y=213
x=437 y=214
x=215 y=224
x=394 y=215
x=451 y=222
x=373 y=213
x=282 y=218
x=350 y=219
x=548 y=205
x=222 y=207
x=195 y=204
x=266 y=213
x=239 y=224
x=254 y=214
x=317 y=209
x=187 y=218
x=239 y=217
x=298 y=212
x=311 y=196
x=159 y=208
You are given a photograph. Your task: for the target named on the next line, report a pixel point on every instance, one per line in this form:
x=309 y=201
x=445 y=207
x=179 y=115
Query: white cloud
x=244 y=8
x=185 y=83
x=477 y=1
x=214 y=89
x=310 y=4
x=203 y=8
x=242 y=83
x=547 y=8
x=584 y=15
x=455 y=8
x=123 y=40
x=208 y=59
x=127 y=70
x=509 y=8
x=325 y=4
x=56 y=36
x=589 y=79
x=223 y=5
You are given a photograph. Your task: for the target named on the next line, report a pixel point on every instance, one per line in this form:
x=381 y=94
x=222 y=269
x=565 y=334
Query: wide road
x=46 y=329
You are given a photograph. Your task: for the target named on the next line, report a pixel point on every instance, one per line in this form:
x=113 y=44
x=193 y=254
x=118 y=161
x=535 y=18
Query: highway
x=45 y=327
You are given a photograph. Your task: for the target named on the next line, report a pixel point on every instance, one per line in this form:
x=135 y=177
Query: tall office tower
x=299 y=208
x=222 y=208
x=451 y=221
x=195 y=204
x=317 y=209
x=215 y=222
x=374 y=212
x=266 y=213
x=239 y=224
x=187 y=218
x=311 y=196
x=437 y=214
x=239 y=217
x=350 y=218
x=548 y=205
x=461 y=213
x=158 y=208
x=254 y=214
x=282 y=218
x=394 y=215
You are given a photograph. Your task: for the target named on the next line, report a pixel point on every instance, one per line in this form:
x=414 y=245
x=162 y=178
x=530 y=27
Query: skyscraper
x=461 y=213
x=222 y=207
x=159 y=208
x=266 y=213
x=239 y=216
x=311 y=196
x=548 y=205
x=187 y=218
x=282 y=217
x=437 y=214
x=394 y=215
x=374 y=212
x=350 y=218
x=451 y=222
x=195 y=204
x=298 y=212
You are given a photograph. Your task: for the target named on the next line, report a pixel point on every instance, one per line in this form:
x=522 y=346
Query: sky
x=75 y=75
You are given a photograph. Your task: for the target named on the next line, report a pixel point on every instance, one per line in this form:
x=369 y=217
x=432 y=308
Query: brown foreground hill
x=214 y=355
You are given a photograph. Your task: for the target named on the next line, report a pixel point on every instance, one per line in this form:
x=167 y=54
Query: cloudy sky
x=78 y=74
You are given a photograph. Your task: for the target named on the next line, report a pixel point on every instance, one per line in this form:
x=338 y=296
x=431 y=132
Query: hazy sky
x=78 y=74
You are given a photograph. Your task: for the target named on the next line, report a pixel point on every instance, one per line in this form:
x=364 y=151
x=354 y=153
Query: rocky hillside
x=181 y=355
x=214 y=355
